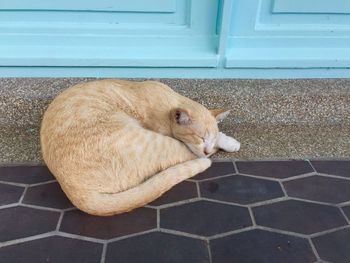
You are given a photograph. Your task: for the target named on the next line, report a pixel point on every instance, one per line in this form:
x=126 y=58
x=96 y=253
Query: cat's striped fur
x=117 y=145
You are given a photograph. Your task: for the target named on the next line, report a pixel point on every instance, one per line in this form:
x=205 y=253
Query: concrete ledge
x=272 y=118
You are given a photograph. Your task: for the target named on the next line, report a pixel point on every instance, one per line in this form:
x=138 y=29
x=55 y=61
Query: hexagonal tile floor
x=246 y=212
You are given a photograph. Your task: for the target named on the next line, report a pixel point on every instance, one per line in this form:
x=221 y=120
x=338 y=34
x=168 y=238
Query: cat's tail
x=104 y=204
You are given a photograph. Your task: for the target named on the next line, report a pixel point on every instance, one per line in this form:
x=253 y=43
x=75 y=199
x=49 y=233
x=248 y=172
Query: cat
x=116 y=145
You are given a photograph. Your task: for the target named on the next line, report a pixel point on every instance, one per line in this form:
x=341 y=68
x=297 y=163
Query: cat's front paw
x=228 y=144
x=233 y=145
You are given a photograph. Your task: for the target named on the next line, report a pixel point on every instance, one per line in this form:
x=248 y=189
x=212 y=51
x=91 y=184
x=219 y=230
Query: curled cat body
x=115 y=145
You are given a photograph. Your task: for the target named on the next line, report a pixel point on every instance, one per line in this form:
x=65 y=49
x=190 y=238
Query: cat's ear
x=181 y=116
x=220 y=114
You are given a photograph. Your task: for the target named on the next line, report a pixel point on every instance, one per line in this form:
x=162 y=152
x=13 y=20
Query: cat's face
x=198 y=130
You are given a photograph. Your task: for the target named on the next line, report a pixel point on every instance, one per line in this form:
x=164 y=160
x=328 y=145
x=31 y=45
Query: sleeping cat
x=116 y=145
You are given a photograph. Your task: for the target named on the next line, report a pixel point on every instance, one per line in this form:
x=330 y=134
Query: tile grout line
x=183 y=234
x=23 y=194
x=313 y=168
x=187 y=201
x=132 y=235
x=334 y=176
x=59 y=221
x=14 y=184
x=43 y=183
x=296 y=177
x=235 y=166
x=221 y=202
x=329 y=175
x=283 y=189
x=40 y=207
x=346 y=203
x=343 y=213
x=158 y=218
x=313 y=248
x=69 y=209
x=9 y=205
x=151 y=206
x=252 y=216
x=260 y=177
x=268 y=202
x=233 y=232
x=288 y=198
x=328 y=231
x=209 y=251
x=26 y=239
x=21 y=164
x=103 y=255
x=290 y=159
x=311 y=201
x=279 y=231
x=211 y=178
x=283 y=232
x=79 y=237
x=198 y=190
x=291 y=178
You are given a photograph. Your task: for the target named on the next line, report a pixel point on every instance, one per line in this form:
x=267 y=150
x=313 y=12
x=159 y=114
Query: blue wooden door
x=175 y=38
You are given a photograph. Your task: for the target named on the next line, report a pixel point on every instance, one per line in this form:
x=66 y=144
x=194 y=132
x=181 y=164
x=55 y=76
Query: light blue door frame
x=175 y=38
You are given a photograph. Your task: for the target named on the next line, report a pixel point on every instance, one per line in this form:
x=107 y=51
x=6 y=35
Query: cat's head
x=198 y=129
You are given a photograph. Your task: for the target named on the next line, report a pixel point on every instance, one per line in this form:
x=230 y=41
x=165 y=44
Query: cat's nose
x=208 y=148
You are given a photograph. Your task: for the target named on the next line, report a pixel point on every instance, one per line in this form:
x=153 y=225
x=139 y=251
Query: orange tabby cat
x=116 y=145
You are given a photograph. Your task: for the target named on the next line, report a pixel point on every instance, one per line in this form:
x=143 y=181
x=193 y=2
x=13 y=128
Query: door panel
x=289 y=34
x=92 y=5
x=133 y=33
x=311 y=6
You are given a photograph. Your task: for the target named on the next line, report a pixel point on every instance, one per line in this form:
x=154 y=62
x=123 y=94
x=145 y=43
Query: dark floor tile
x=346 y=210
x=182 y=191
x=216 y=169
x=319 y=188
x=259 y=246
x=52 y=249
x=297 y=216
x=341 y=168
x=25 y=174
x=77 y=222
x=334 y=247
x=275 y=169
x=204 y=218
x=158 y=247
x=49 y=195
x=240 y=189
x=18 y=222
x=10 y=194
